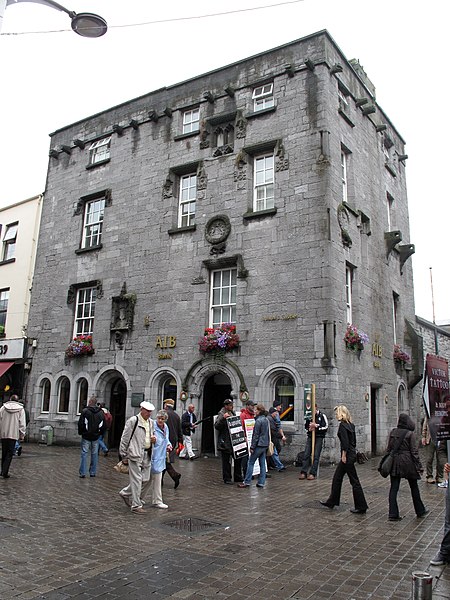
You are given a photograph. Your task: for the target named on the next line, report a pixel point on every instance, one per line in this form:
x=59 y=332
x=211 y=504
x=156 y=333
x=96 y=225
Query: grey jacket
x=12 y=420
x=260 y=436
x=132 y=445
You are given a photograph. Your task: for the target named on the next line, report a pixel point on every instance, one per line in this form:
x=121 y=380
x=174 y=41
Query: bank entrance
x=216 y=389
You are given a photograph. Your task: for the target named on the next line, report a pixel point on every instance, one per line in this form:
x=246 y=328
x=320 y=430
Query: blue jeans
x=307 y=456
x=275 y=460
x=259 y=453
x=102 y=445
x=92 y=447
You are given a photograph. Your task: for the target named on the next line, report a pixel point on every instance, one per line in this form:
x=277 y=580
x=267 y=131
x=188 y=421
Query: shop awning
x=4 y=366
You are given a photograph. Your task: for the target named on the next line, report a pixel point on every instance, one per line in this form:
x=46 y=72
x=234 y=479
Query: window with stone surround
x=263 y=97
x=63 y=395
x=93 y=223
x=100 y=151
x=187 y=199
x=223 y=297
x=263 y=192
x=4 y=299
x=191 y=120
x=349 y=272
x=85 y=311
x=395 y=306
x=45 y=389
x=344 y=173
x=389 y=207
x=284 y=392
x=82 y=394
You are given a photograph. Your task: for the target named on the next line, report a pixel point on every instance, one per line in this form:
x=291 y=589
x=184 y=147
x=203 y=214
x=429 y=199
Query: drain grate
x=192 y=525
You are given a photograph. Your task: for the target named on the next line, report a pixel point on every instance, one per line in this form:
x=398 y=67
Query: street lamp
x=85 y=24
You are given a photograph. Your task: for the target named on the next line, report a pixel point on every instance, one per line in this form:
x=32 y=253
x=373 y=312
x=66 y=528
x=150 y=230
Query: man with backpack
x=91 y=425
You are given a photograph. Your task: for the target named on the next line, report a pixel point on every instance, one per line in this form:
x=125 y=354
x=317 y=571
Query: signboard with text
x=436 y=397
x=237 y=435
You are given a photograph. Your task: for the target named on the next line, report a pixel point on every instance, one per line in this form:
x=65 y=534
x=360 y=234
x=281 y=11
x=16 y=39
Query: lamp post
x=85 y=24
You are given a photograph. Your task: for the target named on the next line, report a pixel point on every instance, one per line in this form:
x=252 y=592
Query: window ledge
x=183 y=136
x=346 y=117
x=391 y=169
x=98 y=164
x=263 y=111
x=177 y=230
x=260 y=214
x=6 y=262
x=83 y=250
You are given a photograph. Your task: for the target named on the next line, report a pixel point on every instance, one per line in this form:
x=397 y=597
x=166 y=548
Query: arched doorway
x=117 y=407
x=216 y=389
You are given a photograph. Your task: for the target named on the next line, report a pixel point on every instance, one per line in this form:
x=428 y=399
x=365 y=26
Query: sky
x=49 y=80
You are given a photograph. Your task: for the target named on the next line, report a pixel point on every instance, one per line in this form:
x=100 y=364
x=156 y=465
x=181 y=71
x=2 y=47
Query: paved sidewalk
x=67 y=538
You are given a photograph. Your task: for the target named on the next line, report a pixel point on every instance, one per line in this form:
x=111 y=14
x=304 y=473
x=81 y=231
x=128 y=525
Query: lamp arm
x=49 y=3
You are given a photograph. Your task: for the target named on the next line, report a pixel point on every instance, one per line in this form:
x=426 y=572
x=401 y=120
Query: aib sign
x=12 y=349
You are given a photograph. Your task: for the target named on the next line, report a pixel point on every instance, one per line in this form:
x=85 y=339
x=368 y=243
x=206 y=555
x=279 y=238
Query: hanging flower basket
x=355 y=338
x=400 y=357
x=220 y=340
x=81 y=345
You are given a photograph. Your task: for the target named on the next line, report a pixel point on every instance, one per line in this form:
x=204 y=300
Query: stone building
x=270 y=193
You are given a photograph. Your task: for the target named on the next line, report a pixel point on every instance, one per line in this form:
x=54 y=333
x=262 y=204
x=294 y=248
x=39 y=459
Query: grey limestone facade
x=277 y=180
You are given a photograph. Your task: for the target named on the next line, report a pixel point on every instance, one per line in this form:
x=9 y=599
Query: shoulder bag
x=387 y=462
x=270 y=448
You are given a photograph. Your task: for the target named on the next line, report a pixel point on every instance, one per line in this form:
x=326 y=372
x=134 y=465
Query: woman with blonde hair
x=159 y=457
x=347 y=438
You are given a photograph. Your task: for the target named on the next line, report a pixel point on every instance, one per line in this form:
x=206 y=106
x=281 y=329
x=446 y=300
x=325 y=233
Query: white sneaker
x=161 y=505
x=443 y=484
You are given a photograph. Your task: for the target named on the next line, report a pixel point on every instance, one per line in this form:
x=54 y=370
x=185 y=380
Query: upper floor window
x=4 y=298
x=9 y=241
x=263 y=97
x=263 y=197
x=99 y=151
x=85 y=311
x=45 y=395
x=395 y=304
x=191 y=120
x=348 y=292
x=389 y=206
x=223 y=297
x=344 y=175
x=187 y=198
x=93 y=223
x=343 y=99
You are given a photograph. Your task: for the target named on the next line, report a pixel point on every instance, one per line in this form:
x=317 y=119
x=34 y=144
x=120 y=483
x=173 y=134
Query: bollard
x=422 y=586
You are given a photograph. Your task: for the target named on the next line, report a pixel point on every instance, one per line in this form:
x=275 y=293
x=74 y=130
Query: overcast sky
x=50 y=80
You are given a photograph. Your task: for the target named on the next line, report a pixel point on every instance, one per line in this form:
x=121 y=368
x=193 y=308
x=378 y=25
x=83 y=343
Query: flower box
x=81 y=345
x=355 y=338
x=219 y=340
x=400 y=357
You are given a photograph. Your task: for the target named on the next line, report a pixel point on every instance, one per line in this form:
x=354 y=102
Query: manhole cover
x=192 y=525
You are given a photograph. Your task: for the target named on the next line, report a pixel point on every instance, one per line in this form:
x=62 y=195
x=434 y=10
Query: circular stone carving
x=217 y=229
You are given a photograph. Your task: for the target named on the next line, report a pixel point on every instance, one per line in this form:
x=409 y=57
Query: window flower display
x=81 y=345
x=219 y=340
x=355 y=338
x=400 y=356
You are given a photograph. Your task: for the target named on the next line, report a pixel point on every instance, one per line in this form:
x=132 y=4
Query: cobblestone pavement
x=64 y=538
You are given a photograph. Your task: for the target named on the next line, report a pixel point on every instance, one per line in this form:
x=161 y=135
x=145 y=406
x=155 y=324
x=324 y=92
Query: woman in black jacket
x=406 y=464
x=347 y=438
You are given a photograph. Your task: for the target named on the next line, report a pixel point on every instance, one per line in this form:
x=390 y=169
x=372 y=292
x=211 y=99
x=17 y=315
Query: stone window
x=395 y=307
x=93 y=223
x=85 y=311
x=45 y=389
x=4 y=299
x=349 y=273
x=344 y=173
x=82 y=395
x=263 y=170
x=191 y=120
x=63 y=395
x=263 y=97
x=389 y=207
x=223 y=297
x=100 y=151
x=187 y=200
x=284 y=392
x=9 y=242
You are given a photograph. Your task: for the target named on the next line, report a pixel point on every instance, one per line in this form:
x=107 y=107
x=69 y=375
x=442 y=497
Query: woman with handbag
x=347 y=438
x=406 y=464
x=258 y=448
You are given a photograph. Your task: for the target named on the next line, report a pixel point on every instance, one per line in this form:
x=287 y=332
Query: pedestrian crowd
x=148 y=449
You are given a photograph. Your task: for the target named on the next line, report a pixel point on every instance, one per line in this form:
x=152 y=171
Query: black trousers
x=336 y=486
x=226 y=467
x=171 y=470
x=8 y=447
x=415 y=495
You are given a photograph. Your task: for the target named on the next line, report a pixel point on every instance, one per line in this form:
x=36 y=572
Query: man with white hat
x=136 y=450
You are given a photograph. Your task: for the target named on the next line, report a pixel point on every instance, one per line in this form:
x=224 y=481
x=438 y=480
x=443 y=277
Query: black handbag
x=387 y=462
x=361 y=458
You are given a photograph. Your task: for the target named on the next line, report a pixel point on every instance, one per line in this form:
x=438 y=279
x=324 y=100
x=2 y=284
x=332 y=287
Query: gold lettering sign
x=165 y=341
x=164 y=356
x=377 y=349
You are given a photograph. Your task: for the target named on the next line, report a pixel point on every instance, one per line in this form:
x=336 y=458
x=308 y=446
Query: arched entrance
x=216 y=389
x=117 y=407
